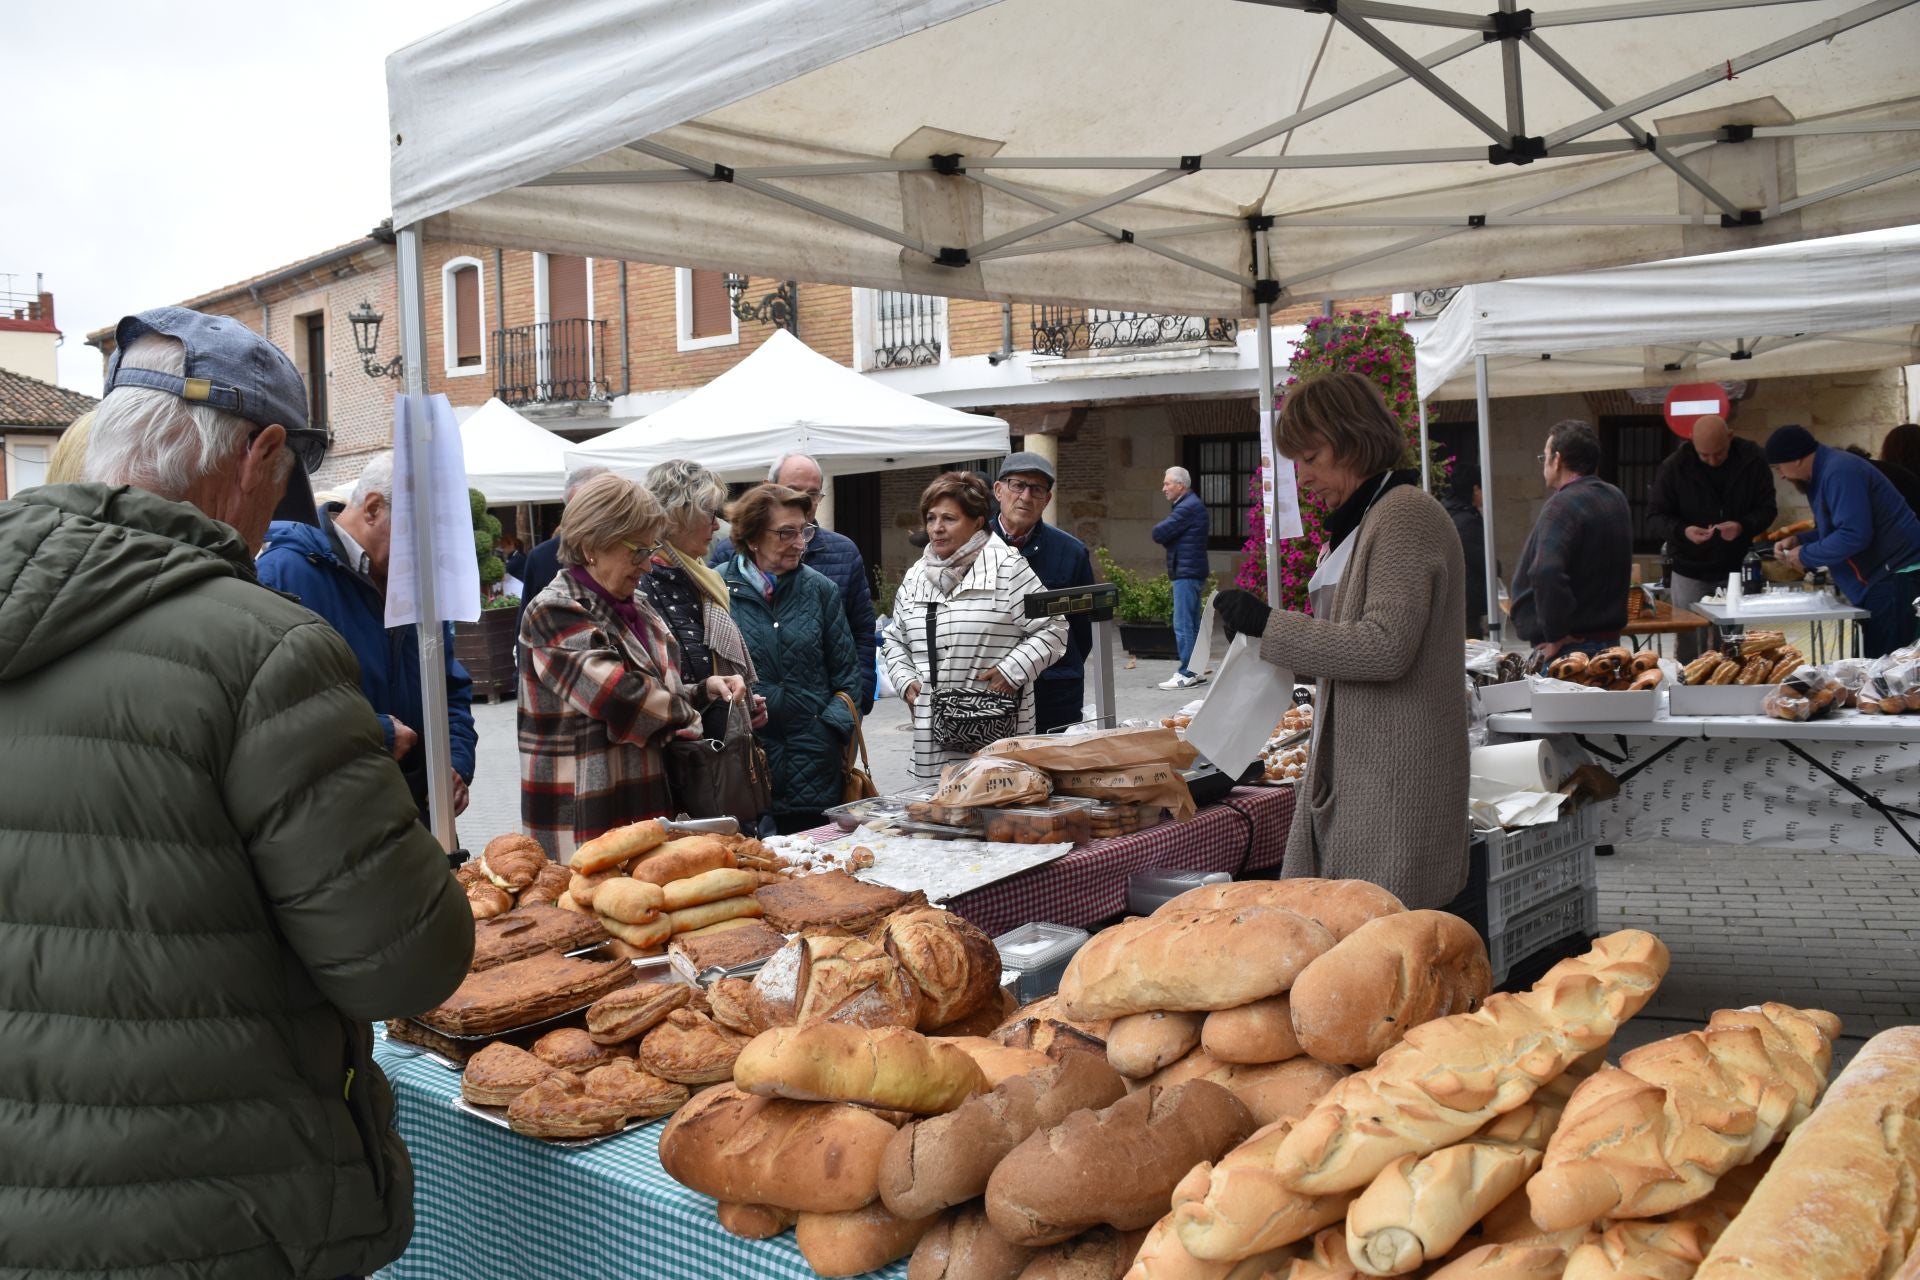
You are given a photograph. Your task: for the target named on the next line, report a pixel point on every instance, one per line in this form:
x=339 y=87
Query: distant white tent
x=511 y=459
x=788 y=398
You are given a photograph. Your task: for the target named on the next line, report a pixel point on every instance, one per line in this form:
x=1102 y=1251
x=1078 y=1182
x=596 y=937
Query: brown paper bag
x=1157 y=783
x=1098 y=749
x=987 y=781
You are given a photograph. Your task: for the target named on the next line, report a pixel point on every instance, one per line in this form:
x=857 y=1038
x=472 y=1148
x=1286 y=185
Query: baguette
x=687 y=919
x=1340 y=905
x=856 y=1241
x=887 y=1067
x=1190 y=960
x=791 y=1155
x=708 y=886
x=1162 y=1257
x=1325 y=1258
x=1506 y=1262
x=683 y=859
x=1240 y=1208
x=1840 y=1198
x=1254 y=1033
x=933 y=1164
x=754 y=1221
x=603 y=853
x=627 y=901
x=1270 y=1091
x=1141 y=1043
x=962 y=1245
x=1384 y=979
x=1114 y=1166
x=1449 y=1077
x=1654 y=1135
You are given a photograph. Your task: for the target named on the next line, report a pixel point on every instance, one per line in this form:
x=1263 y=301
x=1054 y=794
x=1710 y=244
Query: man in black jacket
x=1570 y=587
x=1463 y=504
x=1710 y=498
x=1059 y=560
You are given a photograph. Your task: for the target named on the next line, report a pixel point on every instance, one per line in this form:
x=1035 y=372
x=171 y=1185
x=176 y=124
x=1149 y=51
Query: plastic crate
x=1509 y=852
x=1518 y=892
x=1576 y=912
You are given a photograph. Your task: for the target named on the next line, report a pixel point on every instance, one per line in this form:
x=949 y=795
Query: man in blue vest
x=1059 y=560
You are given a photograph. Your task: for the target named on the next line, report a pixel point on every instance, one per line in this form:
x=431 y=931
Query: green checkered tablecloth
x=491 y=1205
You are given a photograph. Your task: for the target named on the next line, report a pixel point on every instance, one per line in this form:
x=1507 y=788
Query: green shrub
x=492 y=570
x=482 y=543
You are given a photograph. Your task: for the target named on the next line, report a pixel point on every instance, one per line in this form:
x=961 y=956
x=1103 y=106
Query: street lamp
x=366 y=340
x=781 y=308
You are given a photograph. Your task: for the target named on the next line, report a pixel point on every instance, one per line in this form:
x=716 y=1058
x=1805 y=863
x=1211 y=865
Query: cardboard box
x=1630 y=705
x=1718 y=699
x=1515 y=695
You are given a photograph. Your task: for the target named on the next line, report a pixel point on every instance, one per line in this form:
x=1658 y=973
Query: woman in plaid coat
x=600 y=688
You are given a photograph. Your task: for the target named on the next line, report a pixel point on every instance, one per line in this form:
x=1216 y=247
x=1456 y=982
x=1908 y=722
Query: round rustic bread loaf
x=955 y=965
x=1386 y=978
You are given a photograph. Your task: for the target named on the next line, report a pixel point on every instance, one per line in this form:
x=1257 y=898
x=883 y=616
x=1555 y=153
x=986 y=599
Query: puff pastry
x=633 y=1011
x=691 y=1048
x=561 y=1107
x=499 y=1073
x=571 y=1049
x=643 y=1094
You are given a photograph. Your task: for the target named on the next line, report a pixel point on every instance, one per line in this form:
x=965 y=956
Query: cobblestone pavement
x=1839 y=931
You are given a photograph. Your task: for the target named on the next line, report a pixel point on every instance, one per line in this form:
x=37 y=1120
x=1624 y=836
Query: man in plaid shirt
x=1570 y=589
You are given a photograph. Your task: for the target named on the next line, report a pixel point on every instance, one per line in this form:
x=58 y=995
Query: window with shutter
x=712 y=309
x=466 y=316
x=566 y=287
x=463 y=317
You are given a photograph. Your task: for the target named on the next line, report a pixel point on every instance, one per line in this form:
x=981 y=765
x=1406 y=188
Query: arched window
x=462 y=294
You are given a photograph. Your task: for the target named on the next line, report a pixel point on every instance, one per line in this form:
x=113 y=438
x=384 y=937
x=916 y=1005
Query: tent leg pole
x=1496 y=620
x=435 y=739
x=1426 y=451
x=1104 y=711
x=1264 y=342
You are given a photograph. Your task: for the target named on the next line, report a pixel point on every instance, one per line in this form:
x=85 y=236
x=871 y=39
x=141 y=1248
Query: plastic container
x=1573 y=914
x=1512 y=851
x=898 y=810
x=1149 y=890
x=1111 y=818
x=1063 y=820
x=1038 y=953
x=1512 y=896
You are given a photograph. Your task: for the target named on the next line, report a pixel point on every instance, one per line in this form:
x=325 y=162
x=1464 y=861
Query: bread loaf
x=650 y=938
x=1161 y=1256
x=1141 y=1043
x=1115 y=1166
x=628 y=901
x=983 y=1021
x=1506 y=1262
x=854 y=981
x=1385 y=978
x=962 y=1245
x=1325 y=1259
x=1270 y=1091
x=1655 y=1134
x=1041 y=1026
x=684 y=858
x=1253 y=1033
x=617 y=846
x=688 y=919
x=1840 y=1199
x=1238 y=1207
x=709 y=886
x=997 y=1062
x=1340 y=905
x=890 y=1067
x=856 y=1241
x=951 y=962
x=1190 y=960
x=792 y=1155
x=754 y=1221
x=932 y=1164
x=1099 y=1254
x=1451 y=1076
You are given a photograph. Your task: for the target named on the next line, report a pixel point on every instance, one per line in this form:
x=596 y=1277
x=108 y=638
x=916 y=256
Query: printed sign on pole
x=1279 y=491
x=1691 y=401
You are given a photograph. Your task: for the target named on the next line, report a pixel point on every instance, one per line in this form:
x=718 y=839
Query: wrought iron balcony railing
x=907 y=329
x=552 y=360
x=1066 y=331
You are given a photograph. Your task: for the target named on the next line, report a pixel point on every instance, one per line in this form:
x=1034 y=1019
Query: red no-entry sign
x=1691 y=401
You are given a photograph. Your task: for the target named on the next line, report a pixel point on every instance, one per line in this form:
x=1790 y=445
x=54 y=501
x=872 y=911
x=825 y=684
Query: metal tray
x=646 y=964
x=498 y=1116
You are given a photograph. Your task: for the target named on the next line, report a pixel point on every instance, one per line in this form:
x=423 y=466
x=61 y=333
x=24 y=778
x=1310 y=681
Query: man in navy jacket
x=340 y=572
x=1865 y=534
x=1059 y=560
x=1184 y=534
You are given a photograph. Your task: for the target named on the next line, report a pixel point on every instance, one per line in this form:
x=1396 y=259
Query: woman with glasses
x=804 y=658
x=600 y=689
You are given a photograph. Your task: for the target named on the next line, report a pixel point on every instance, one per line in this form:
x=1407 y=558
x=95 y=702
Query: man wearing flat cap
x=213 y=874
x=1059 y=560
x=1864 y=534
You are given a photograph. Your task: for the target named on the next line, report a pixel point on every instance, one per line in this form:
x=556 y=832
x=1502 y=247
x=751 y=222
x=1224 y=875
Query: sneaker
x=1182 y=682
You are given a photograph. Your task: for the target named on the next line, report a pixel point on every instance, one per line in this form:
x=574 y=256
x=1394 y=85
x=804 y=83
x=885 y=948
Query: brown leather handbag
x=856 y=769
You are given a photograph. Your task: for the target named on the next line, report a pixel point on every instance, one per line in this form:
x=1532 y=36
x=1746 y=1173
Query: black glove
x=1243 y=612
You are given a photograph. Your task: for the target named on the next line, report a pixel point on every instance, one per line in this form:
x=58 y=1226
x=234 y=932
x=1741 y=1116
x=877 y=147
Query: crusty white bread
x=856 y=1241
x=1139 y=1044
x=1340 y=905
x=1384 y=979
x=603 y=853
x=753 y=1221
x=1190 y=960
x=1654 y=1134
x=1254 y=1033
x=891 y=1068
x=803 y=1156
x=1505 y=1262
x=1240 y=1208
x=1162 y=1257
x=1451 y=1076
x=1843 y=1196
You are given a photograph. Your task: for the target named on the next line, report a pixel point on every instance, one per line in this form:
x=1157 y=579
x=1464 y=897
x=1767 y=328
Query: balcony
x=1097 y=331
x=555 y=360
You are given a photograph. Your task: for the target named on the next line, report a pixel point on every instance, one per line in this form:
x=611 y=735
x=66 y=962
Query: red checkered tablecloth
x=1244 y=833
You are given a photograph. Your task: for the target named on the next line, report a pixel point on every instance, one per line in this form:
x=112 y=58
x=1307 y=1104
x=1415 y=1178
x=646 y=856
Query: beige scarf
x=705 y=578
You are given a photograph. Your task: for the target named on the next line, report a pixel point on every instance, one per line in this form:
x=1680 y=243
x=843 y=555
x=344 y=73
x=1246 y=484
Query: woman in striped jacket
x=973 y=585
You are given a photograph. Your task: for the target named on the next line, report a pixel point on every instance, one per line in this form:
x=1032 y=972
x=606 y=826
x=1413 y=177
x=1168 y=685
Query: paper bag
x=1158 y=783
x=1245 y=702
x=992 y=780
x=1097 y=749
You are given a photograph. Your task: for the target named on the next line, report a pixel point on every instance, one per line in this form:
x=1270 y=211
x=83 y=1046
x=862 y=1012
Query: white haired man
x=833 y=554
x=1184 y=534
x=340 y=572
x=214 y=876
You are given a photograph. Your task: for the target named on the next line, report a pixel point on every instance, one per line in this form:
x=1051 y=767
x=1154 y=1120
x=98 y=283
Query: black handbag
x=966 y=719
x=722 y=777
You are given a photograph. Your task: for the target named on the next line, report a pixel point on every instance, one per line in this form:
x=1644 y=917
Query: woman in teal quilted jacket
x=803 y=653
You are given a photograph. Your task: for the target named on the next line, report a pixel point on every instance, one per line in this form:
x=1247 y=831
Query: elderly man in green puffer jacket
x=211 y=873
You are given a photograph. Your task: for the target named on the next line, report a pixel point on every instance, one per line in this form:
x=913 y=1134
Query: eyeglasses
x=639 y=551
x=1021 y=488
x=308 y=444
x=804 y=533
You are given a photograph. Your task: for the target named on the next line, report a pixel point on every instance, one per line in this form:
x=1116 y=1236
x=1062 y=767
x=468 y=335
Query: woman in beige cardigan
x=1385 y=793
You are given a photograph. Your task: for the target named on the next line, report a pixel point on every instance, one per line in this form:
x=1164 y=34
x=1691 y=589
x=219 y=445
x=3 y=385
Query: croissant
x=1655 y=1134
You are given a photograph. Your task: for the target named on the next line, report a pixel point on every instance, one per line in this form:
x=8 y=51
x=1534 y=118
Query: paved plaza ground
x=1840 y=931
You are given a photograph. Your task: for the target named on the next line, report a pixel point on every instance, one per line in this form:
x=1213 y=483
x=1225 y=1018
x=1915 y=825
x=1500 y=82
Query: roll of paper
x=1523 y=766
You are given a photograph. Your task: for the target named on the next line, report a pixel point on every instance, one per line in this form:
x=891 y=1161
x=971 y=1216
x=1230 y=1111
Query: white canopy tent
x=788 y=398
x=511 y=459
x=1206 y=156
x=1827 y=306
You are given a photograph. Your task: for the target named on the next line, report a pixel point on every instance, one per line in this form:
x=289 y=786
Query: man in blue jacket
x=1059 y=560
x=340 y=572
x=1865 y=534
x=1184 y=534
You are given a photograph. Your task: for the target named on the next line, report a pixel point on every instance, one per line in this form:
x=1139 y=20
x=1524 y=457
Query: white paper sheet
x=1279 y=490
x=1243 y=704
x=456 y=570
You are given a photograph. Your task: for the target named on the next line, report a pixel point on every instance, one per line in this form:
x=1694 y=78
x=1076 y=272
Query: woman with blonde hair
x=600 y=689
x=68 y=462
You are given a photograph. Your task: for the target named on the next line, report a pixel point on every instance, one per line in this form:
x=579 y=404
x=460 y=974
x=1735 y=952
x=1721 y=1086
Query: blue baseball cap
x=229 y=367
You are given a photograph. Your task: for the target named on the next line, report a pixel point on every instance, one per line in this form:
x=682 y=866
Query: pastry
x=571 y=1049
x=631 y=1012
x=954 y=965
x=547 y=887
x=486 y=900
x=830 y=899
x=528 y=930
x=683 y=858
x=644 y=1095
x=513 y=861
x=499 y=1073
x=687 y=919
x=708 y=886
x=727 y=949
x=617 y=846
x=523 y=992
x=649 y=939
x=738 y=1007
x=561 y=1107
x=629 y=901
x=581 y=888
x=691 y=1048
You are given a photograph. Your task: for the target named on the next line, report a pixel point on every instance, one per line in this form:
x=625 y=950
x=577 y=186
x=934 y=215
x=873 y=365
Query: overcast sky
x=156 y=151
